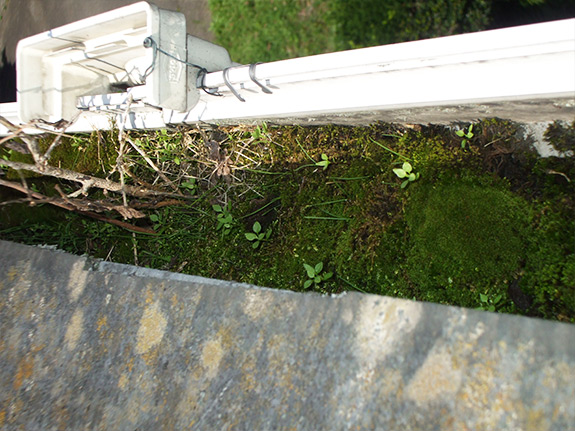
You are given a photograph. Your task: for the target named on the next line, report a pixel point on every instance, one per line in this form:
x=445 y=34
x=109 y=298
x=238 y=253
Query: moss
x=549 y=271
x=485 y=219
x=561 y=136
x=465 y=237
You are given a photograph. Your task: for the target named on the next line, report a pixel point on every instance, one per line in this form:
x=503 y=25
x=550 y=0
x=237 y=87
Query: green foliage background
x=268 y=30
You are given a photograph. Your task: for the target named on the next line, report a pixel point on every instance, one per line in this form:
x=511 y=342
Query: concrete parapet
x=87 y=344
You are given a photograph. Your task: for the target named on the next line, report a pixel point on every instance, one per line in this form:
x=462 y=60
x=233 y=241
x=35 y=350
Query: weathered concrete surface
x=91 y=345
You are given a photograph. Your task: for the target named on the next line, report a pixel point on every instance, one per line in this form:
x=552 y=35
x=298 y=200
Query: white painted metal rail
x=523 y=73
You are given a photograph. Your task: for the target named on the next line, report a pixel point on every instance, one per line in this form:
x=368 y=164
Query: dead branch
x=61 y=203
x=156 y=205
x=89 y=181
x=56 y=141
x=99 y=206
x=153 y=165
x=30 y=142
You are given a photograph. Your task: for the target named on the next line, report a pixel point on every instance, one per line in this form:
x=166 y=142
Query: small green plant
x=406 y=171
x=490 y=303
x=190 y=185
x=260 y=132
x=466 y=135
x=158 y=220
x=323 y=163
x=224 y=218
x=257 y=236
x=315 y=275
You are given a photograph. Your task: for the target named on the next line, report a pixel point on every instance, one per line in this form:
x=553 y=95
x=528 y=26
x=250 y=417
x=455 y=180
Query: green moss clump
x=465 y=237
x=549 y=274
x=561 y=137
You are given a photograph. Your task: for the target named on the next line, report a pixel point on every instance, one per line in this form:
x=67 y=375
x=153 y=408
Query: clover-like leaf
x=307 y=284
x=257 y=227
x=400 y=173
x=317 y=279
x=309 y=269
x=318 y=267
x=460 y=133
x=404 y=184
x=407 y=167
x=217 y=208
x=256 y=244
x=251 y=236
x=327 y=275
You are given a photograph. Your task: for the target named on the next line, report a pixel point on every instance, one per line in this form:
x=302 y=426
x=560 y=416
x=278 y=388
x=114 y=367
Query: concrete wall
x=93 y=345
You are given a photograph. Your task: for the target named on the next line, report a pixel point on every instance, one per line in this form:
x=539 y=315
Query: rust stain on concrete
x=102 y=321
x=151 y=330
x=25 y=369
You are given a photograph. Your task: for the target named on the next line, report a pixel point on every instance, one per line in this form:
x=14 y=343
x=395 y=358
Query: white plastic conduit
x=522 y=63
x=533 y=66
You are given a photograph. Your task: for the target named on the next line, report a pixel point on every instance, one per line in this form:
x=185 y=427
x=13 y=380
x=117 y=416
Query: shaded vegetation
x=264 y=30
x=487 y=225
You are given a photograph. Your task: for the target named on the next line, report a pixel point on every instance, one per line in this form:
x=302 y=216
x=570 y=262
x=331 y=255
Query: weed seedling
x=224 y=218
x=158 y=221
x=489 y=303
x=260 y=133
x=257 y=236
x=190 y=185
x=323 y=163
x=406 y=171
x=315 y=275
x=467 y=135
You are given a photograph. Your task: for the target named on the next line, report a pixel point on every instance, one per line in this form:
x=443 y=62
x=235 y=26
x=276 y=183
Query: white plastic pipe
x=523 y=73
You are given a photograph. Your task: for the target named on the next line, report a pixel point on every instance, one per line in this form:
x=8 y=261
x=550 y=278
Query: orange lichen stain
x=437 y=377
x=174 y=300
x=149 y=296
x=37 y=347
x=123 y=381
x=12 y=273
x=536 y=421
x=225 y=337
x=151 y=356
x=102 y=321
x=130 y=365
x=77 y=280
x=212 y=354
x=2 y=417
x=248 y=380
x=25 y=369
x=75 y=329
x=151 y=331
